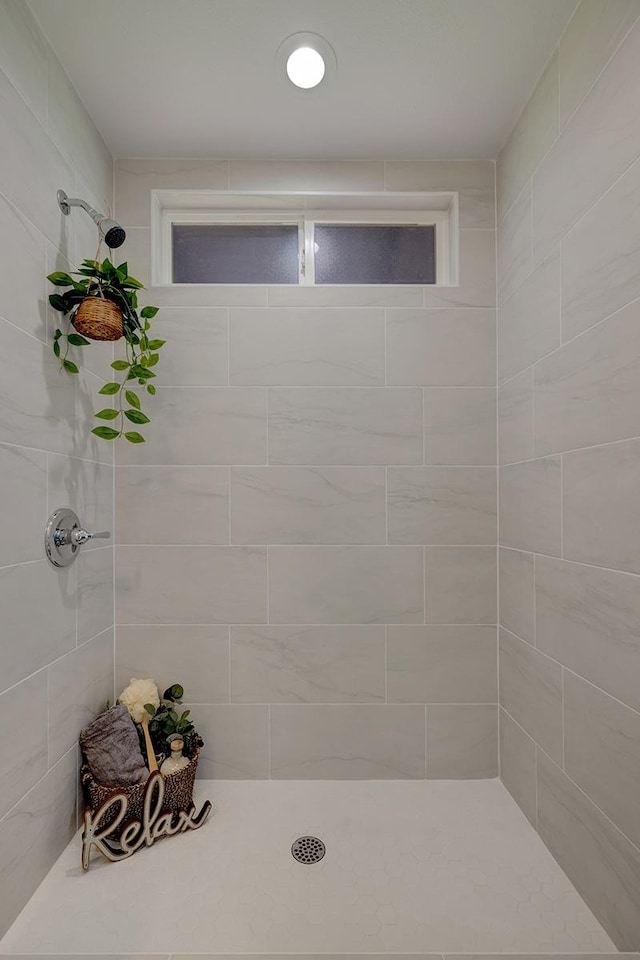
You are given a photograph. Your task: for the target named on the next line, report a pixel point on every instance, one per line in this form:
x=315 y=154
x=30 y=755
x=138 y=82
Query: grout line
x=562 y=714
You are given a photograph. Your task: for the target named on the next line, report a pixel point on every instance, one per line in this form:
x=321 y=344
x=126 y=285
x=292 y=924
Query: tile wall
x=307 y=541
x=568 y=196
x=56 y=626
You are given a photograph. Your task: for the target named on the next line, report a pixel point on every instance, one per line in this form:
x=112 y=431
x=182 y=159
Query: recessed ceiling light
x=305 y=59
x=305 y=67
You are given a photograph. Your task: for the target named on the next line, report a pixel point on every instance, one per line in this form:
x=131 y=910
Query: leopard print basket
x=178 y=791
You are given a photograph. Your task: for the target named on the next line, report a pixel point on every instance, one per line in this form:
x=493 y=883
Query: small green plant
x=103 y=279
x=166 y=720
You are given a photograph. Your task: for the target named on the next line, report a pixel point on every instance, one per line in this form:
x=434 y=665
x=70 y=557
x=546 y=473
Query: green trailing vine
x=103 y=279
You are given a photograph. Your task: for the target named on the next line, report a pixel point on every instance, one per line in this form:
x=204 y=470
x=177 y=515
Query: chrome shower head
x=113 y=233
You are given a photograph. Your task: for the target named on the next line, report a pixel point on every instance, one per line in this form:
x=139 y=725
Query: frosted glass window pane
x=235 y=253
x=374 y=253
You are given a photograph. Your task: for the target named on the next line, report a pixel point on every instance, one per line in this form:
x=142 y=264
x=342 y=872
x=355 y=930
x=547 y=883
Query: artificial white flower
x=136 y=695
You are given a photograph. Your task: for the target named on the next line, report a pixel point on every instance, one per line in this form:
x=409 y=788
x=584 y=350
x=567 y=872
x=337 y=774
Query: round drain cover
x=308 y=849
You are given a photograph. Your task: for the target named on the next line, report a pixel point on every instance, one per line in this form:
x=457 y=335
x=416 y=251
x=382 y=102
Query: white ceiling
x=415 y=78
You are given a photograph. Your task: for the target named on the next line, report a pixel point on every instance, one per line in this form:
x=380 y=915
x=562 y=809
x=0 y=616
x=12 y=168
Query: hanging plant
x=103 y=305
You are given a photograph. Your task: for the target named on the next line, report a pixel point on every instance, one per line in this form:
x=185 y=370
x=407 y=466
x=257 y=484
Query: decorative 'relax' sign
x=155 y=823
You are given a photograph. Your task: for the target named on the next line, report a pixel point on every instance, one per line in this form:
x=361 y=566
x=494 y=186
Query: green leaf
x=109 y=389
x=57 y=302
x=149 y=707
x=60 y=279
x=149 y=312
x=77 y=340
x=146 y=324
x=108 y=414
x=132 y=398
x=134 y=437
x=56 y=348
x=70 y=366
x=105 y=433
x=57 y=334
x=152 y=360
x=120 y=364
x=136 y=416
x=123 y=270
x=156 y=344
x=151 y=389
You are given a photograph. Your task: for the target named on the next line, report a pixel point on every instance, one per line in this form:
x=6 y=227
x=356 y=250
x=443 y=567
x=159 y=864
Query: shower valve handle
x=81 y=536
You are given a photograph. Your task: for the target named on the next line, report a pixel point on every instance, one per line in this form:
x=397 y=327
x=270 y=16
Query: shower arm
x=65 y=203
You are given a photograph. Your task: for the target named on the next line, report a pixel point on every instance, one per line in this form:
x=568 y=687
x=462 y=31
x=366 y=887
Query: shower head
x=114 y=234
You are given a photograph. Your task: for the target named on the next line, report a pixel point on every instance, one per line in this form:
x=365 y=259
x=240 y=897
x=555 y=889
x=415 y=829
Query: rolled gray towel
x=112 y=748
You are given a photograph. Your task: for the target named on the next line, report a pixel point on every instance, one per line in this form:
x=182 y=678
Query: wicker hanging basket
x=99 y=319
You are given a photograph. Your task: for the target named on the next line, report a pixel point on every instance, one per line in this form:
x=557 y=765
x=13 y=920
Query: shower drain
x=308 y=849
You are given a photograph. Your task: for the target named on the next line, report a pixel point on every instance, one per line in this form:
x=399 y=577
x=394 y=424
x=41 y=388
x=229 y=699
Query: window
x=310 y=240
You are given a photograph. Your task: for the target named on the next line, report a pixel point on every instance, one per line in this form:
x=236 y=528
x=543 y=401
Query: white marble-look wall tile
x=530 y=505
x=349 y=584
x=196 y=656
x=472 y=180
x=442 y=505
x=602 y=751
x=515 y=246
x=308 y=505
x=23 y=489
x=515 y=418
x=462 y=741
x=31 y=166
x=368 y=425
x=588 y=392
x=173 y=504
x=347 y=741
x=373 y=295
x=38 y=617
x=517 y=599
x=94 y=592
x=601 y=511
x=441 y=664
x=518 y=765
x=531 y=691
x=460 y=426
x=606 y=130
x=597 y=857
x=194 y=584
x=315 y=347
x=601 y=257
x=79 y=687
x=294 y=664
x=441 y=348
x=529 y=320
x=589 y=620
x=23 y=55
x=196 y=353
x=202 y=425
x=136 y=178
x=530 y=139
x=300 y=175
x=41 y=416
x=477 y=282
x=460 y=585
x=236 y=741
x=34 y=834
x=72 y=130
x=23 y=267
x=24 y=705
x=205 y=295
x=594 y=32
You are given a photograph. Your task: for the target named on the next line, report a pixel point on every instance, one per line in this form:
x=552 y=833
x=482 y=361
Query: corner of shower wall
x=569 y=655
x=56 y=650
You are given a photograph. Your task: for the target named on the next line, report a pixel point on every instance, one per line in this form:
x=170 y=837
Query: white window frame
x=304 y=211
